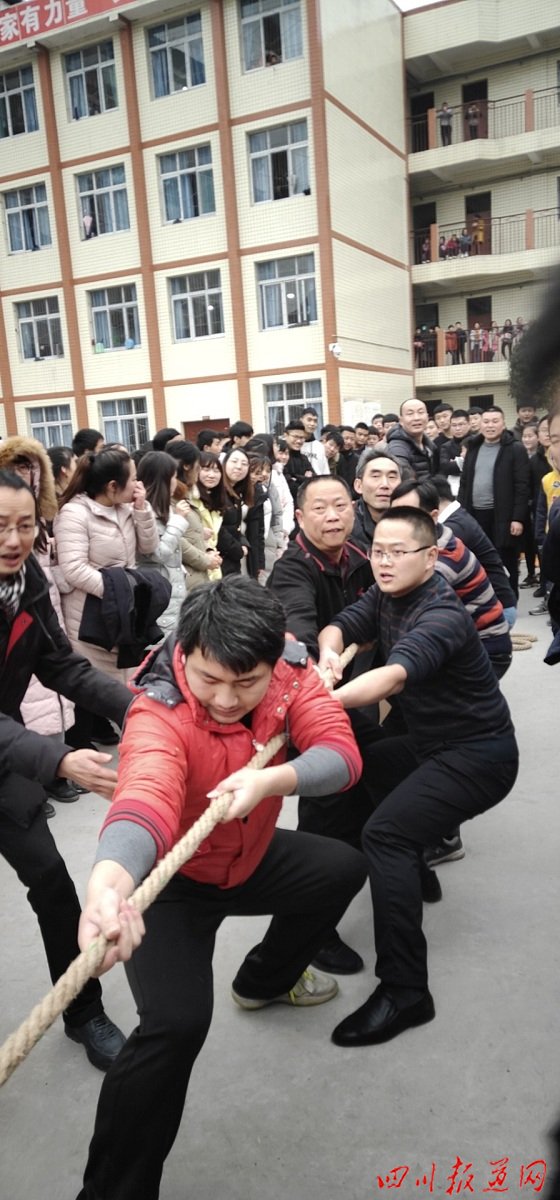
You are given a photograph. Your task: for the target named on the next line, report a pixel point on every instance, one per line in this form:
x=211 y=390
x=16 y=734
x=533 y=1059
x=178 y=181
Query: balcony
x=438 y=364
x=514 y=132
x=516 y=248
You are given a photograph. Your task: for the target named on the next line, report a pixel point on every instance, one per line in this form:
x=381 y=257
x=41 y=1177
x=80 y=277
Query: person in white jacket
x=158 y=472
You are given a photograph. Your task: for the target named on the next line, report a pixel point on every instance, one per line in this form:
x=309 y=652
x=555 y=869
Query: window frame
x=188 y=297
x=32 y=321
x=127 y=307
x=95 y=193
x=138 y=419
x=19 y=210
x=82 y=72
x=196 y=173
x=303 y=281
x=26 y=91
x=43 y=430
x=291 y=406
x=271 y=49
x=275 y=176
x=166 y=65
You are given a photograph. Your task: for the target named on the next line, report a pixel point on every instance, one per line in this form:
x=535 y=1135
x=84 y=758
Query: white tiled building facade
x=197 y=200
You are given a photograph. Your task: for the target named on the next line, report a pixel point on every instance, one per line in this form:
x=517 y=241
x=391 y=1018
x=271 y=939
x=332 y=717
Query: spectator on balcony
x=520 y=327
x=465 y=243
x=507 y=336
x=445 y=118
x=478 y=234
x=419 y=348
x=451 y=345
x=473 y=119
x=442 y=248
x=425 y=251
x=430 y=340
x=462 y=338
x=494 y=342
x=452 y=246
x=476 y=343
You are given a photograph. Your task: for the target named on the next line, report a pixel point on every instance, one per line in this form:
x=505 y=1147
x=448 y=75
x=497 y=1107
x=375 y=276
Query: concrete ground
x=274 y=1108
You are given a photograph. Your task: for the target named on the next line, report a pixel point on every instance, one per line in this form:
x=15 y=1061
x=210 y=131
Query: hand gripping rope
x=21 y=1042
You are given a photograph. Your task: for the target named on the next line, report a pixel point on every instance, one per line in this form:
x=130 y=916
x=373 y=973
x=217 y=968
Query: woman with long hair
x=104 y=521
x=63 y=463
x=158 y=472
x=198 y=557
x=211 y=502
x=242 y=532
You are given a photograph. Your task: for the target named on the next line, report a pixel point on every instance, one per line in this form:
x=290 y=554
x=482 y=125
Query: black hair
x=61 y=457
x=309 y=410
x=186 y=456
x=361 y=425
x=313 y=479
x=475 y=410
x=460 y=412
x=137 y=455
x=494 y=408
x=427 y=494
x=261 y=443
x=390 y=417
x=369 y=455
x=95 y=472
x=423 y=527
x=234 y=621
x=240 y=429
x=294 y=425
x=346 y=429
x=214 y=499
x=85 y=439
x=372 y=429
x=443 y=487
x=443 y=407
x=162 y=437
x=244 y=489
x=526 y=404
x=335 y=436
x=542 y=420
x=156 y=470
x=328 y=429
x=205 y=437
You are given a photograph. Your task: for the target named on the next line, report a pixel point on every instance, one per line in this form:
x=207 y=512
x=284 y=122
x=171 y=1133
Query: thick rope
x=21 y=1042
x=345 y=658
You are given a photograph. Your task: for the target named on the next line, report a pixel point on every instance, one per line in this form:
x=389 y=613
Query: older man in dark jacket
x=409 y=443
x=494 y=488
x=32 y=642
x=320 y=573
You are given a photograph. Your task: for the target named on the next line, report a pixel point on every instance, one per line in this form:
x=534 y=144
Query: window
x=103 y=201
x=279 y=162
x=92 y=86
x=51 y=425
x=177 y=55
x=287 y=291
x=125 y=421
x=270 y=31
x=187 y=180
x=27 y=215
x=18 y=108
x=286 y=402
x=39 y=328
x=197 y=305
x=114 y=312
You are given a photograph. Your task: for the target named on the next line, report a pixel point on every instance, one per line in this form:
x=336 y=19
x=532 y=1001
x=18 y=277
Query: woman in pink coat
x=104 y=520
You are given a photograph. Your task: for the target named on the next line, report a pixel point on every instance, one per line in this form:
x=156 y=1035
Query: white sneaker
x=312 y=987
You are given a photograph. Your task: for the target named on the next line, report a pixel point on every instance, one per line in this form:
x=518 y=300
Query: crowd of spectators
x=479 y=344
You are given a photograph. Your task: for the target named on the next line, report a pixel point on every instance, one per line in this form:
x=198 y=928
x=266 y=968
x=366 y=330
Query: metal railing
x=509 y=116
x=508 y=234
x=547 y=228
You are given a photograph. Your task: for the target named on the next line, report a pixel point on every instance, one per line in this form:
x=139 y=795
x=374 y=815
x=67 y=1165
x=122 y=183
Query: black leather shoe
x=49 y=810
x=63 y=790
x=337 y=958
x=379 y=1019
x=100 y=1038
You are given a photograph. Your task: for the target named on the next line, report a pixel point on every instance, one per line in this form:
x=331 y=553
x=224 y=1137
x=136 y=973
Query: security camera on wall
x=335 y=349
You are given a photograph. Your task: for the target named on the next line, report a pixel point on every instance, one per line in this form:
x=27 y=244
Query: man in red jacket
x=227 y=685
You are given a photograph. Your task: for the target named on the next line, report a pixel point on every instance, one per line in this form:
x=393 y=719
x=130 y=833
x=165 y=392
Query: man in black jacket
x=409 y=443
x=298 y=466
x=465 y=527
x=494 y=487
x=32 y=642
x=318 y=575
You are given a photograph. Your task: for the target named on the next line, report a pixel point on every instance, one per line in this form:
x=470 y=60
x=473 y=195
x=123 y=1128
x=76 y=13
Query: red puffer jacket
x=173 y=753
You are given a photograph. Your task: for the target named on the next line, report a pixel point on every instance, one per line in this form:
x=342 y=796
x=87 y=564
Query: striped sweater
x=463 y=572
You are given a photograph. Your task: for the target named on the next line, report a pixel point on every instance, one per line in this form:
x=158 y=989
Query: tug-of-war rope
x=20 y=1043
x=522 y=641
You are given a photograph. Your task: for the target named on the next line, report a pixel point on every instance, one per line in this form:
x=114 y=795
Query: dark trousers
x=508 y=554
x=307 y=883
x=343 y=814
x=421 y=801
x=33 y=854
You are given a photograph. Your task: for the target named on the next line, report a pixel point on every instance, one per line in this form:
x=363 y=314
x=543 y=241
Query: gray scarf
x=11 y=591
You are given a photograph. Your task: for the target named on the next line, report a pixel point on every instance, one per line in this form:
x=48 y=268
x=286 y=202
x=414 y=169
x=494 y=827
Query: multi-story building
x=203 y=214
x=492 y=170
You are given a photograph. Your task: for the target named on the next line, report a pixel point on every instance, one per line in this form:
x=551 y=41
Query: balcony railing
x=483 y=119
x=437 y=347
x=509 y=234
